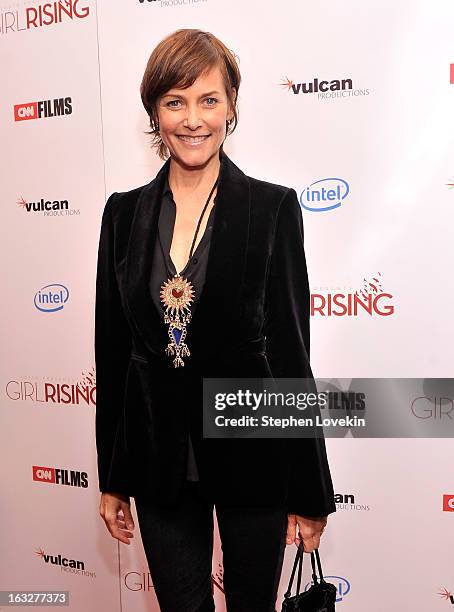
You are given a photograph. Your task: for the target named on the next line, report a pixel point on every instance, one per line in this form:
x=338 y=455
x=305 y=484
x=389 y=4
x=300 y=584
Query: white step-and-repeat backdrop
x=371 y=155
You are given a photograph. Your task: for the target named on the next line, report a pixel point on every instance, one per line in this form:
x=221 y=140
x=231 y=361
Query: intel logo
x=324 y=194
x=342 y=586
x=51 y=298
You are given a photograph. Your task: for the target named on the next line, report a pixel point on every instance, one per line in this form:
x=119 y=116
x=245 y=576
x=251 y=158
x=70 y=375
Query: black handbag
x=320 y=597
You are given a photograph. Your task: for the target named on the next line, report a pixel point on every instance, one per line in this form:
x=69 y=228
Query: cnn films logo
x=74 y=394
x=48 y=208
x=324 y=89
x=43 y=109
x=57 y=476
x=371 y=300
x=347 y=501
x=51 y=298
x=43 y=14
x=448 y=503
x=66 y=564
x=324 y=194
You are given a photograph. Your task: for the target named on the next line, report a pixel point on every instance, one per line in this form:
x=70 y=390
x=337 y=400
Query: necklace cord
x=201 y=217
x=197 y=228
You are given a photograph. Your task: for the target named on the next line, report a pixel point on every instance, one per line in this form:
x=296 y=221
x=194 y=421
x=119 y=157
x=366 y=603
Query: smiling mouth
x=193 y=139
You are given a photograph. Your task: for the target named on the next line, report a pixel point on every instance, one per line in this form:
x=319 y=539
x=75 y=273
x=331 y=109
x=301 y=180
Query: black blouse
x=194 y=271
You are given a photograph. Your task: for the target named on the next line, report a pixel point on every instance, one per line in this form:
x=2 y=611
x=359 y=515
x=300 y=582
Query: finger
x=127 y=515
x=102 y=509
x=123 y=528
x=121 y=535
x=308 y=530
x=306 y=535
x=304 y=531
x=308 y=544
x=298 y=538
x=315 y=541
x=115 y=531
x=302 y=537
x=291 y=528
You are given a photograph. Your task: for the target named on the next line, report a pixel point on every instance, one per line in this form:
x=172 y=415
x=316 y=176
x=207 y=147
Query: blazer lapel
x=219 y=303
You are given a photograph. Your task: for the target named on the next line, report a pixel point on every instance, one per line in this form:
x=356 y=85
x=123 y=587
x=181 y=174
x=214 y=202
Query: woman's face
x=192 y=121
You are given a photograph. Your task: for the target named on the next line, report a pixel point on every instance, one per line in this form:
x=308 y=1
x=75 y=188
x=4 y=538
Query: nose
x=192 y=119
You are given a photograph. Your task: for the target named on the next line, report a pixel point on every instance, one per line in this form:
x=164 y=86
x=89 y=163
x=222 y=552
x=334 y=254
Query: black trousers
x=178 y=544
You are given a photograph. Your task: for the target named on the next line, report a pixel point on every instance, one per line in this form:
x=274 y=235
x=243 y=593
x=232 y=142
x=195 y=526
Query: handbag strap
x=299 y=561
x=314 y=572
x=320 y=573
x=300 y=572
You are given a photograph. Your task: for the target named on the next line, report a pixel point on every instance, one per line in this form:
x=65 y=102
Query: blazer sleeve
x=287 y=332
x=112 y=350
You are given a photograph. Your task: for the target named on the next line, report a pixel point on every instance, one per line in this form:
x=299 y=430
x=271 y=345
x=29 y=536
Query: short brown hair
x=177 y=61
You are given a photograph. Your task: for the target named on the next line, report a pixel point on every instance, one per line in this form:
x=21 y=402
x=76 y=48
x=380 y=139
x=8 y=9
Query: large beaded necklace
x=177 y=294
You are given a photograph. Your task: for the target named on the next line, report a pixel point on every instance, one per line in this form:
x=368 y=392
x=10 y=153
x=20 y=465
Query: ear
x=234 y=96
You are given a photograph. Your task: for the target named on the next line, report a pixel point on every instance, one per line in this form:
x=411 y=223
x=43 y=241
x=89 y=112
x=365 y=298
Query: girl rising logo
x=44 y=14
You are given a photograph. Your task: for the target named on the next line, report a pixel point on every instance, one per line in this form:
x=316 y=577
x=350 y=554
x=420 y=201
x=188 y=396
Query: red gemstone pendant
x=177 y=294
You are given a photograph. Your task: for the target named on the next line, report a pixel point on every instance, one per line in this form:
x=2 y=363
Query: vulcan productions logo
x=447 y=595
x=47 y=207
x=66 y=564
x=347 y=501
x=43 y=109
x=48 y=391
x=58 y=476
x=324 y=89
x=41 y=15
x=371 y=299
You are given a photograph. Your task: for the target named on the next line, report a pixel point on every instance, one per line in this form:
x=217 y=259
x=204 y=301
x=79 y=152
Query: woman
x=201 y=273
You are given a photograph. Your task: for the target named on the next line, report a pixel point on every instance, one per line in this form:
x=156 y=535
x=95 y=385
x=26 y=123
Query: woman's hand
x=115 y=509
x=310 y=529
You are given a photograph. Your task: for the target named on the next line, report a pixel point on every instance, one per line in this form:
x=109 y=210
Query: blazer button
x=194 y=260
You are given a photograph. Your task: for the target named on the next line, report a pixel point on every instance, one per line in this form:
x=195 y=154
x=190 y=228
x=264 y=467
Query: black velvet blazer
x=251 y=320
